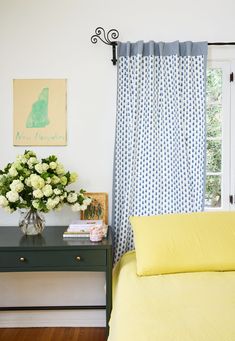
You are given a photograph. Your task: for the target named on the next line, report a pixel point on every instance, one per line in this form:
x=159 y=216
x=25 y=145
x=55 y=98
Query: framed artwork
x=98 y=209
x=40 y=112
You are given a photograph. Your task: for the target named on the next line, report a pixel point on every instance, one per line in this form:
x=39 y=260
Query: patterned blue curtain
x=159 y=161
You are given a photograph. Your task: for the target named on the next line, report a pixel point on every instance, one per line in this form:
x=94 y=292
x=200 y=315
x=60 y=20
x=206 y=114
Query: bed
x=181 y=306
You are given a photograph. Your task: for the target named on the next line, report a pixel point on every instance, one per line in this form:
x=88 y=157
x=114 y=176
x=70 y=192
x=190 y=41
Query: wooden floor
x=52 y=334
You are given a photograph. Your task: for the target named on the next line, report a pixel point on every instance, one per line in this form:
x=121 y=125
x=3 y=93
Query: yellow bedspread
x=197 y=306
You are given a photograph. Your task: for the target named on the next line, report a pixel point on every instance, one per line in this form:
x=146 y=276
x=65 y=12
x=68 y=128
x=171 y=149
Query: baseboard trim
x=24 y=319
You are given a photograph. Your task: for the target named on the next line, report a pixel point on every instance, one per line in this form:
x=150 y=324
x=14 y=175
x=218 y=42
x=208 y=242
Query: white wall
x=51 y=39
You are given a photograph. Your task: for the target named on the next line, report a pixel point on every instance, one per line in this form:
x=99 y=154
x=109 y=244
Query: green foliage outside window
x=214 y=133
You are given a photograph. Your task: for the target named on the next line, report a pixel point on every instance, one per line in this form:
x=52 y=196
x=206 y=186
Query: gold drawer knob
x=78 y=258
x=22 y=259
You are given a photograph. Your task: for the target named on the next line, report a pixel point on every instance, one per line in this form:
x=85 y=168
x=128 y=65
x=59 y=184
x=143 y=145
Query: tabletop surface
x=51 y=238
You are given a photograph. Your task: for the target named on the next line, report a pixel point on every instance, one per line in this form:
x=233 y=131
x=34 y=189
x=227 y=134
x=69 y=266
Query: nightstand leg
x=108 y=288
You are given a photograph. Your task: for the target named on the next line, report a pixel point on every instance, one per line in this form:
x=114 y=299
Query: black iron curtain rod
x=114 y=34
x=223 y=43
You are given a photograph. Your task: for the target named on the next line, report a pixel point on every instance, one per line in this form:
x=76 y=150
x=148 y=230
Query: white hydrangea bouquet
x=39 y=186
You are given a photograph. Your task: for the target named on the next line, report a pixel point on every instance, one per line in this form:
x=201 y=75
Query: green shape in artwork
x=38 y=117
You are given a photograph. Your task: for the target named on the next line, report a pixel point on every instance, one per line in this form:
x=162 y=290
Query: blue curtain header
x=152 y=48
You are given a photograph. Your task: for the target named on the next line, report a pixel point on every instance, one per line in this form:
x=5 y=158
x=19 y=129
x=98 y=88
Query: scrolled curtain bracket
x=105 y=38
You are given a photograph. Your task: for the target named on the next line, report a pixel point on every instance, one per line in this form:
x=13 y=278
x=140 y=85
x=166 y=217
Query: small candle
x=96 y=234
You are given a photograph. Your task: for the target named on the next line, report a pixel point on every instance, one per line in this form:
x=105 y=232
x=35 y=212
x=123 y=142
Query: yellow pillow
x=184 y=242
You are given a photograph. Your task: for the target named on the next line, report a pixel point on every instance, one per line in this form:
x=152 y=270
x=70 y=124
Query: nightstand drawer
x=52 y=258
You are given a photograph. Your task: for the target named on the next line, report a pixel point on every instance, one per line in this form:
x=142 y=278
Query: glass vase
x=31 y=222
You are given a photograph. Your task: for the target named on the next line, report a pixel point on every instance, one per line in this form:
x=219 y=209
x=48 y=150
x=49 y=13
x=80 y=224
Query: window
x=218 y=136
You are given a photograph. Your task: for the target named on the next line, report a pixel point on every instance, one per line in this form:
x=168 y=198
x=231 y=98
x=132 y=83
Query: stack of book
x=81 y=228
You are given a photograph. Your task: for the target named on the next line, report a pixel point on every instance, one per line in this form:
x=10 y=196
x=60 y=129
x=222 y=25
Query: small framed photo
x=98 y=209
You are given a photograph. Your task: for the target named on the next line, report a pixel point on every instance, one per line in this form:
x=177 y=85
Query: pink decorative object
x=96 y=234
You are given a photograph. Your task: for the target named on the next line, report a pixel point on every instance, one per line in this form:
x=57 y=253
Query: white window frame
x=232 y=140
x=226 y=136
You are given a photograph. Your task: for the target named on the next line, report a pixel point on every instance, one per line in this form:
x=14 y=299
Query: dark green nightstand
x=50 y=252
